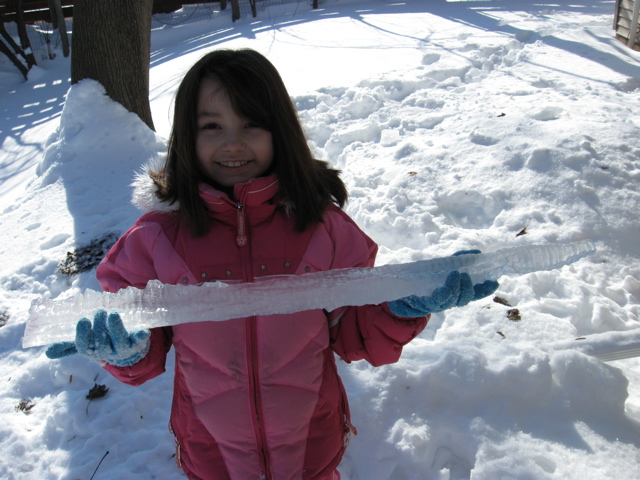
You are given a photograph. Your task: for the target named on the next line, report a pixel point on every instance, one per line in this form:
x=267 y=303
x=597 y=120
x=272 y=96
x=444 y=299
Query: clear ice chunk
x=160 y=305
x=607 y=346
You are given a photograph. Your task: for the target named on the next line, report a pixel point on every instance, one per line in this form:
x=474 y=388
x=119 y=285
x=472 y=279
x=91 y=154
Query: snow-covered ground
x=457 y=125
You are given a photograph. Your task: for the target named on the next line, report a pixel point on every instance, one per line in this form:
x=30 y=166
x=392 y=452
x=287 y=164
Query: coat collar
x=144 y=189
x=255 y=192
x=252 y=193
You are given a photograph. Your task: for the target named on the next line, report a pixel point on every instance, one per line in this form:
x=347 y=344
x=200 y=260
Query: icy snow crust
x=457 y=125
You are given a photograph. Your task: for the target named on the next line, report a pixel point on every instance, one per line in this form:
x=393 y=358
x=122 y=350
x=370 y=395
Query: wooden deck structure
x=625 y=22
x=34 y=10
x=38 y=10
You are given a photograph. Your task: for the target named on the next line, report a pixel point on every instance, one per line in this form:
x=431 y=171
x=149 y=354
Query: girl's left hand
x=458 y=290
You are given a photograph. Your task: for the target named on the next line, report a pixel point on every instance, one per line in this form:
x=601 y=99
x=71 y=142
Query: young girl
x=241 y=199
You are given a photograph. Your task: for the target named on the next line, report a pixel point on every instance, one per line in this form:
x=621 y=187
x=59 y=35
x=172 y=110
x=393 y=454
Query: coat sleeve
x=369 y=332
x=130 y=262
x=151 y=365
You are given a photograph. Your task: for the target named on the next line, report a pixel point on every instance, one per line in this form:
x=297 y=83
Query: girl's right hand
x=106 y=341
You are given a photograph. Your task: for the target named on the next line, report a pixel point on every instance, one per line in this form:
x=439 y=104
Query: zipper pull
x=241 y=238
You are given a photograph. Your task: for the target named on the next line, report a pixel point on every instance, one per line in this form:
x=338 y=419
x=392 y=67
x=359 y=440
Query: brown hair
x=257 y=93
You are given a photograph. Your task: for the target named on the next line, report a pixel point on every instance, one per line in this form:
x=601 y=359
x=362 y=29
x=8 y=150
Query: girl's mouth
x=235 y=164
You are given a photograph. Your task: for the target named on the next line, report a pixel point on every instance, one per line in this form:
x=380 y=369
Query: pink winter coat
x=260 y=397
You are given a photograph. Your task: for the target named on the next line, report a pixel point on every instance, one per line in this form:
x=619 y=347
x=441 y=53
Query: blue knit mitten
x=458 y=290
x=105 y=341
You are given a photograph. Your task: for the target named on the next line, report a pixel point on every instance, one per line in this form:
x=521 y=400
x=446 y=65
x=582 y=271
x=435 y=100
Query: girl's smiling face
x=230 y=149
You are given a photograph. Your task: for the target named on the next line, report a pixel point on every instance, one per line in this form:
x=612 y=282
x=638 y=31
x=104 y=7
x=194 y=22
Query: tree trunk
x=111 y=43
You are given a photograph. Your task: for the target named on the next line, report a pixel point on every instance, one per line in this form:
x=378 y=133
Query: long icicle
x=164 y=305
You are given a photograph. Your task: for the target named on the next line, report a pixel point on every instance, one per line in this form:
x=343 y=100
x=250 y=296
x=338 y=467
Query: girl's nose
x=234 y=142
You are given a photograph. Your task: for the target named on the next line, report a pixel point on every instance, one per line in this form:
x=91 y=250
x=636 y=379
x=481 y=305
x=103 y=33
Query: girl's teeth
x=233 y=164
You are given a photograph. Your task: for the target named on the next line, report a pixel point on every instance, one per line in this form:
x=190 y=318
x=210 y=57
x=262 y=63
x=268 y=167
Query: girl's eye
x=210 y=126
x=252 y=125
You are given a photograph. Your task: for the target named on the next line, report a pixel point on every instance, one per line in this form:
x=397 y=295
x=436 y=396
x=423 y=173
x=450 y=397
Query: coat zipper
x=257 y=400
x=241 y=237
x=252 y=361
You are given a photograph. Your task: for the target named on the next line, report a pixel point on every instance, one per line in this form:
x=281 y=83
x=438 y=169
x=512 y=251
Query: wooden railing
x=625 y=22
x=34 y=10
x=38 y=10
